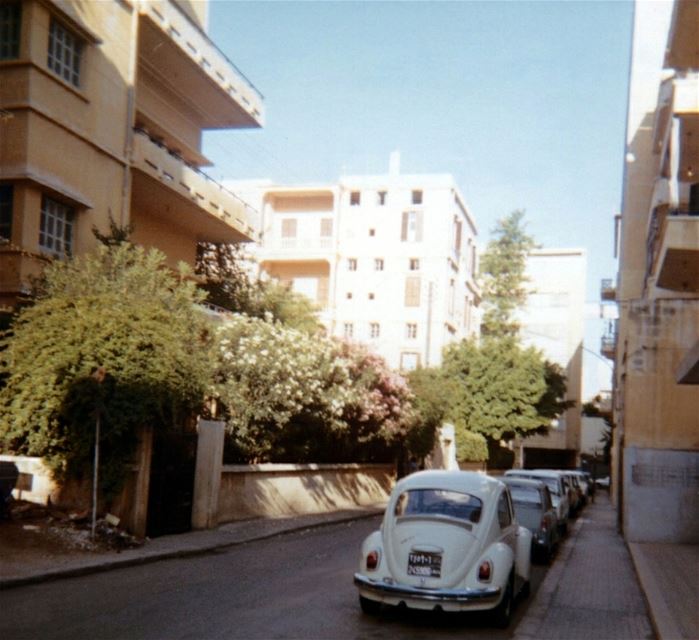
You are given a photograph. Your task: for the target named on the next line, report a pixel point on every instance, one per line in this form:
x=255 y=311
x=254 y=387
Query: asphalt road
x=293 y=586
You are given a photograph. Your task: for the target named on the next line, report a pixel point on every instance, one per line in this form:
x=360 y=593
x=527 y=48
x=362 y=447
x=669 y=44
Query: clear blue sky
x=523 y=102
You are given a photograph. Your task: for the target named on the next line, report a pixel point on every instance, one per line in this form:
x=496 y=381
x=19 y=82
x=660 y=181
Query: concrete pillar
x=144 y=452
x=207 y=476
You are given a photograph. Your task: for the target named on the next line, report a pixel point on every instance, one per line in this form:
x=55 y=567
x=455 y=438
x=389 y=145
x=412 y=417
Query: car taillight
x=372 y=560
x=485 y=571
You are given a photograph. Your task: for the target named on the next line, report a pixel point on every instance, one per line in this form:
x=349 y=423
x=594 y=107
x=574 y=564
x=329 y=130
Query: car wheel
x=502 y=614
x=370 y=607
x=526 y=590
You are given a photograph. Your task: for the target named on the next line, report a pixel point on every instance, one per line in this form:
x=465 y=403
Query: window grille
x=65 y=51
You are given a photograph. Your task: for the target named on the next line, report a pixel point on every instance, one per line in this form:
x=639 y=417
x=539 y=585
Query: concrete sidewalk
x=592 y=589
x=21 y=571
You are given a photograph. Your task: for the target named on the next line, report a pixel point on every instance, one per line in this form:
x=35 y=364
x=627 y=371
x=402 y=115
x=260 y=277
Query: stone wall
x=273 y=490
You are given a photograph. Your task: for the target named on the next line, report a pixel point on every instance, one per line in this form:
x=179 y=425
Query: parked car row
x=463 y=541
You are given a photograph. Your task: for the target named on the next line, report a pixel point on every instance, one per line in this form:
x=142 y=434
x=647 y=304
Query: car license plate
x=424 y=564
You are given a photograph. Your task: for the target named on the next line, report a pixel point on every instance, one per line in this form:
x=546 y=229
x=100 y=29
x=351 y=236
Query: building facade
x=102 y=108
x=656 y=345
x=389 y=259
x=553 y=321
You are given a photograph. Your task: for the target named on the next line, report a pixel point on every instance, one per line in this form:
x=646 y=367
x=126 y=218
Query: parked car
x=449 y=540
x=534 y=510
x=603 y=482
x=558 y=488
x=585 y=484
x=574 y=494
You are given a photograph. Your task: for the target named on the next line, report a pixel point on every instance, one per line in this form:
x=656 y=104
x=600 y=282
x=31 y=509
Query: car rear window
x=550 y=482
x=439 y=502
x=525 y=495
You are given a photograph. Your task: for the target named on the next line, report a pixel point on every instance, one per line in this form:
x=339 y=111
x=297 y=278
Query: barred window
x=378 y=264
x=411 y=330
x=65 y=51
x=10 y=26
x=374 y=329
x=352 y=264
x=5 y=211
x=348 y=330
x=56 y=230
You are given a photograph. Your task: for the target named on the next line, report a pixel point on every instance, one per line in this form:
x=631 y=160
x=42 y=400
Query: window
x=381 y=198
x=348 y=329
x=374 y=329
x=352 y=264
x=411 y=226
x=355 y=198
x=326 y=227
x=56 y=230
x=412 y=292
x=452 y=296
x=414 y=264
x=349 y=295
x=504 y=515
x=409 y=361
x=289 y=226
x=10 y=22
x=65 y=50
x=378 y=264
x=416 y=197
x=372 y=232
x=411 y=330
x=371 y=296
x=6 y=212
x=436 y=503
x=457 y=229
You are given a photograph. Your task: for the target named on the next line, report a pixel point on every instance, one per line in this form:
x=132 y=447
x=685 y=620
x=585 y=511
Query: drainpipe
x=130 y=120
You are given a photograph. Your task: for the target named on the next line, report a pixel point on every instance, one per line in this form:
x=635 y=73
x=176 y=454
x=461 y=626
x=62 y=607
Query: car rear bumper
x=436 y=596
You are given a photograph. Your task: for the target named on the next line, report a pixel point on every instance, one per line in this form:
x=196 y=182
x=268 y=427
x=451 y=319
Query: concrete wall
x=34 y=483
x=273 y=490
x=661 y=494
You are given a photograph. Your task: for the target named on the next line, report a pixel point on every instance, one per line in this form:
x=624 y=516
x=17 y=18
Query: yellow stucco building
x=656 y=351
x=102 y=108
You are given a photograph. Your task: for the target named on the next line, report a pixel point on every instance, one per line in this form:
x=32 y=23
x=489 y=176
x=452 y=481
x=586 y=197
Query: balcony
x=678 y=97
x=167 y=188
x=608 y=289
x=674 y=251
x=183 y=57
x=608 y=341
x=17 y=269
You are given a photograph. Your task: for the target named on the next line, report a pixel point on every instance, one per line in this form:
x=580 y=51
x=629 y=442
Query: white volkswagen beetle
x=449 y=541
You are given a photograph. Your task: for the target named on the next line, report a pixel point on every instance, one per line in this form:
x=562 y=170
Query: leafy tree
x=119 y=308
x=501 y=385
x=503 y=267
x=470 y=446
x=229 y=283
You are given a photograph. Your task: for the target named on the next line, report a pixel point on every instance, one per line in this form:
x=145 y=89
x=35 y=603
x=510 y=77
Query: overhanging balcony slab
x=167 y=188
x=688 y=371
x=174 y=48
x=679 y=254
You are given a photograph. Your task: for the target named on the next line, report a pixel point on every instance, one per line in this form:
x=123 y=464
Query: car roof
x=546 y=473
x=477 y=484
x=523 y=482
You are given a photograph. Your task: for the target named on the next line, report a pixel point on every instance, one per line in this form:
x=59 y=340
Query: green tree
x=502 y=270
x=227 y=278
x=500 y=386
x=118 y=308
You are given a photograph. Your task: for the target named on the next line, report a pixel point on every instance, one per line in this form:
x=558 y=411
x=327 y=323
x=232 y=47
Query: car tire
x=526 y=590
x=370 y=607
x=502 y=614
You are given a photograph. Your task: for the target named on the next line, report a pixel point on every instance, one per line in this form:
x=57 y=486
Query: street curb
x=529 y=625
x=119 y=563
x=661 y=618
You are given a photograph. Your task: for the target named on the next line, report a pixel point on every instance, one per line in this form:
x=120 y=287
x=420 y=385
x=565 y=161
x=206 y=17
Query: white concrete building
x=390 y=259
x=553 y=321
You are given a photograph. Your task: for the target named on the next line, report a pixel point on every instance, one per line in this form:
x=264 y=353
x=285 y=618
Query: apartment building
x=389 y=259
x=102 y=108
x=656 y=347
x=553 y=321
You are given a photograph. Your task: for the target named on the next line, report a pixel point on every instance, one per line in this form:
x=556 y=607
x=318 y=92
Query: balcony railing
x=608 y=289
x=175 y=42
x=672 y=248
x=192 y=184
x=302 y=243
x=608 y=341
